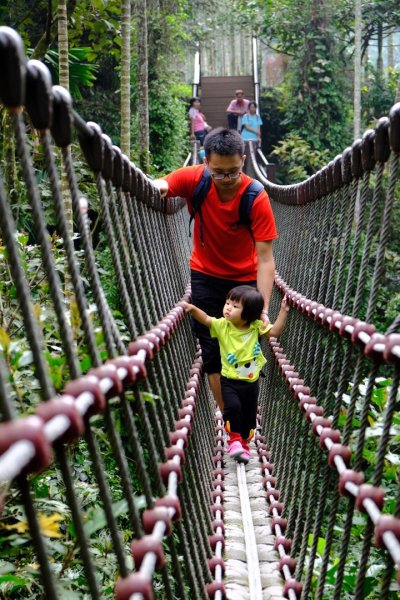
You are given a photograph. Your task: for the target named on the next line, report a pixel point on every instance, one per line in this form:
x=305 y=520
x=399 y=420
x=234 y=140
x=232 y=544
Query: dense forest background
x=128 y=66
x=308 y=117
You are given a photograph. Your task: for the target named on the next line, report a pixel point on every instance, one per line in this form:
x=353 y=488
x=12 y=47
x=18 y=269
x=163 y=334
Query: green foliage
x=81 y=73
x=378 y=94
x=297 y=160
x=376 y=570
x=169 y=142
x=273 y=117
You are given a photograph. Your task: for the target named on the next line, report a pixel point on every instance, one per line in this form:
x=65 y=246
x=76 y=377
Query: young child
x=238 y=333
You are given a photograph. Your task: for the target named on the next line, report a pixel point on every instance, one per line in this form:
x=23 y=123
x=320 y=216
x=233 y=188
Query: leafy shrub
x=297 y=159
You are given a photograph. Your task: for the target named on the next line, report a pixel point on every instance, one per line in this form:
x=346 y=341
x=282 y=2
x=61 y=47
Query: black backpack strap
x=246 y=201
x=198 y=197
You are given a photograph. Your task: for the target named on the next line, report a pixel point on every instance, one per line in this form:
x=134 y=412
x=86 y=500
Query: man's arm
x=265 y=272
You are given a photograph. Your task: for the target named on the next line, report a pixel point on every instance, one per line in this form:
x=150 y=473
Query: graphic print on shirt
x=247 y=370
x=257 y=349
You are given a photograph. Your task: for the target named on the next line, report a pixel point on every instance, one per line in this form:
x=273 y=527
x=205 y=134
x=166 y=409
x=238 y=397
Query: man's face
x=218 y=164
x=239 y=96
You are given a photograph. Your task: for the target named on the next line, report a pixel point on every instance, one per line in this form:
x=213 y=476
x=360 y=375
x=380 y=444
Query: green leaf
x=4 y=340
x=149 y=397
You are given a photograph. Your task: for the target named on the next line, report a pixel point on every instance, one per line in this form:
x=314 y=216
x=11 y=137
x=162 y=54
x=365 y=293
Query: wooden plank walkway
x=217 y=92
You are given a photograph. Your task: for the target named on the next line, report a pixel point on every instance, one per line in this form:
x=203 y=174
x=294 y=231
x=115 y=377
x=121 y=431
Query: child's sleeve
x=264 y=329
x=215 y=327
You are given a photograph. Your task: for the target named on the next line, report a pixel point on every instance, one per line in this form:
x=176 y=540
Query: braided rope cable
x=126 y=268
x=39 y=220
x=80 y=216
x=304 y=495
x=309 y=513
x=125 y=301
x=69 y=250
x=379 y=263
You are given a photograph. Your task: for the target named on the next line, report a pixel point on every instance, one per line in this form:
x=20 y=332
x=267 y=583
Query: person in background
x=198 y=124
x=238 y=332
x=236 y=109
x=224 y=254
x=251 y=123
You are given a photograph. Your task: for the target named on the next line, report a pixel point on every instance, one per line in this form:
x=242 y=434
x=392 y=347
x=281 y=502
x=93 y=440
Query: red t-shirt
x=229 y=251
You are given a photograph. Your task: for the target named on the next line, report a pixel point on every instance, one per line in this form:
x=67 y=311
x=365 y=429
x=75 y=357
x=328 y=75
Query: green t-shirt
x=240 y=349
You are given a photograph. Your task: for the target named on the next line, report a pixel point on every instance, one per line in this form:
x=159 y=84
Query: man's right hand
x=162 y=185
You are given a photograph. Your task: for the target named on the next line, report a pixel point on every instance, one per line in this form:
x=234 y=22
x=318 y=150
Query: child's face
x=232 y=312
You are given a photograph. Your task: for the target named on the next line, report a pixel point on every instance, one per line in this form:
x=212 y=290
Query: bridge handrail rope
x=327 y=349
x=345 y=180
x=66 y=417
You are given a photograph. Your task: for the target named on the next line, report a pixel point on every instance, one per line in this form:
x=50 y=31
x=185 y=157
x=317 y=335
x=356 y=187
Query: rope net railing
x=125 y=384
x=330 y=414
x=115 y=413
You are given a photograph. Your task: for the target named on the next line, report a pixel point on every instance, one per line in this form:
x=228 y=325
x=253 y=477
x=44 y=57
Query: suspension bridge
x=181 y=519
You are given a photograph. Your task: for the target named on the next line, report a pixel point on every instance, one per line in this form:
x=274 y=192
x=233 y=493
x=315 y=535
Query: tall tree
x=63 y=70
x=142 y=84
x=62 y=22
x=126 y=77
x=357 y=68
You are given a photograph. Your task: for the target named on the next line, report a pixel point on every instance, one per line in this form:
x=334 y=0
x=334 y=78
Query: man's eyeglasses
x=220 y=176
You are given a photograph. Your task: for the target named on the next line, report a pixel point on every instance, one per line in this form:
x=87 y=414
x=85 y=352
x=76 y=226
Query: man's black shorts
x=209 y=294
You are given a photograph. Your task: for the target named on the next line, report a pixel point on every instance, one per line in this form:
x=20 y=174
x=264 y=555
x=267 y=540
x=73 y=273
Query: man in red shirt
x=224 y=253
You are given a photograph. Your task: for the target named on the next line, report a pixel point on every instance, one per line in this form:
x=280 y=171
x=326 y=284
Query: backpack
x=246 y=202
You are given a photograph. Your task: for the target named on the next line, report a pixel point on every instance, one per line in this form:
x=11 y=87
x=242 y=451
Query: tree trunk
x=357 y=68
x=390 y=50
x=142 y=84
x=63 y=69
x=126 y=78
x=379 y=62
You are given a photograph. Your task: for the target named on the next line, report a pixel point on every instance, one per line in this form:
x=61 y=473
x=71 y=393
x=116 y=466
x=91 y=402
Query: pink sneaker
x=244 y=457
x=235 y=449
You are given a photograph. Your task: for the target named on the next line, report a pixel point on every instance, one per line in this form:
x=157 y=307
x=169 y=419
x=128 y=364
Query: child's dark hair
x=251 y=299
x=252 y=104
x=226 y=142
x=193 y=100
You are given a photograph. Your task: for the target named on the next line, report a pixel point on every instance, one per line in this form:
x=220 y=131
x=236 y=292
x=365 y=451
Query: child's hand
x=285 y=304
x=188 y=307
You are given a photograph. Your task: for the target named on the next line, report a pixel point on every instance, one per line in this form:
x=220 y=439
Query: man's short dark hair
x=251 y=299
x=226 y=142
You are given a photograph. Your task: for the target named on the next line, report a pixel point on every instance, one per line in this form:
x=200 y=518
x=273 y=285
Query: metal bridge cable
x=387 y=578
x=394 y=327
x=39 y=220
x=324 y=489
x=345 y=245
x=309 y=512
x=307 y=470
x=126 y=269
x=47 y=391
x=80 y=216
x=356 y=244
x=373 y=214
x=376 y=480
x=115 y=256
x=33 y=332
x=133 y=257
x=146 y=269
x=69 y=250
x=385 y=229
